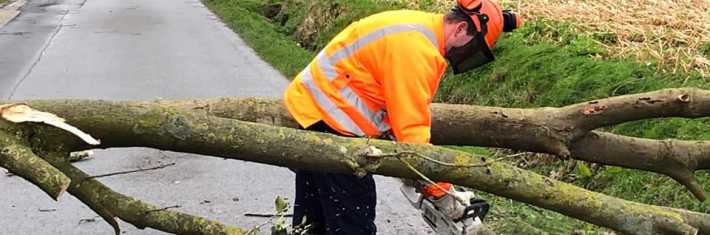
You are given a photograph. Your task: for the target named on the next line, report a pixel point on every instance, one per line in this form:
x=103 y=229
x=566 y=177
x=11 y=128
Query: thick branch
x=170 y=129
x=20 y=160
x=674 y=102
x=537 y=129
x=697 y=219
x=83 y=193
x=677 y=159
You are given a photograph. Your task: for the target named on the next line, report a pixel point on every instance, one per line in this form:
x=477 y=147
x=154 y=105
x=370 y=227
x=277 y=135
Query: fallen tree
x=226 y=128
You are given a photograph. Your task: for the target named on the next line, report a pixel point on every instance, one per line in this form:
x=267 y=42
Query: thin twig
x=507 y=157
x=131 y=171
x=266 y=215
x=410 y=153
x=431 y=182
x=90 y=220
x=415 y=154
x=258 y=227
x=162 y=209
x=400 y=156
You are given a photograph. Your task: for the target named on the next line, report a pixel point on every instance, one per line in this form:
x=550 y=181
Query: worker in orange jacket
x=378 y=77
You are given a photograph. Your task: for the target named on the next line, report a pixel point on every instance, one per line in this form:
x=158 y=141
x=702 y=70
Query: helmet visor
x=470 y=56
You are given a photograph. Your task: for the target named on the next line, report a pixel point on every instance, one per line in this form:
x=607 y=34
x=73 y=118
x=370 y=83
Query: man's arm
x=411 y=71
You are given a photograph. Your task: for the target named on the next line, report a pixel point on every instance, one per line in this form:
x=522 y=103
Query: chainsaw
x=468 y=223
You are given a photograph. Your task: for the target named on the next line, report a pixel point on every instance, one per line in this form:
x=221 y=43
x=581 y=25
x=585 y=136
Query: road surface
x=148 y=49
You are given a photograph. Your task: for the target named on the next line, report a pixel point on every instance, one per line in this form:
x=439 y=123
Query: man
x=377 y=78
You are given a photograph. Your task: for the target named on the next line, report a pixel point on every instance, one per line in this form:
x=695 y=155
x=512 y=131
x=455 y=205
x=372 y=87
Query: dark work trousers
x=334 y=203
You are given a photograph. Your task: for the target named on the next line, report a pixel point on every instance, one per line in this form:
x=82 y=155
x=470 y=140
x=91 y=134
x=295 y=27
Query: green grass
x=275 y=47
x=271 y=38
x=545 y=63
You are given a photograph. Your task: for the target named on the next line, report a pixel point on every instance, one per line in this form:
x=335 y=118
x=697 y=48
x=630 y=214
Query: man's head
x=456 y=30
x=471 y=29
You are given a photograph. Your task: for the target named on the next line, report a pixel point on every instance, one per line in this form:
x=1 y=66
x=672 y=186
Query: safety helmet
x=486 y=21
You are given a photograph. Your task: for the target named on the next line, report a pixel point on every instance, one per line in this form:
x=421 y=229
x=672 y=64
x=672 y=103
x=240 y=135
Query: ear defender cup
x=511 y=21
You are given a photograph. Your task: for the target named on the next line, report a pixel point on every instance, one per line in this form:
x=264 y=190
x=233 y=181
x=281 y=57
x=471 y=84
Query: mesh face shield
x=476 y=52
x=470 y=56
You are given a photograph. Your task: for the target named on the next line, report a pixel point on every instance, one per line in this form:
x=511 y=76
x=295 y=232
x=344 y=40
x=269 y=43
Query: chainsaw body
x=442 y=224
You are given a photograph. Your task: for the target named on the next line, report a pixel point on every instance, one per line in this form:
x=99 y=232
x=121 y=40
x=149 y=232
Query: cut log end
x=684 y=98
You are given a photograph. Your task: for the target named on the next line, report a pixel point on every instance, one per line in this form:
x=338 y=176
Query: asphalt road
x=148 y=49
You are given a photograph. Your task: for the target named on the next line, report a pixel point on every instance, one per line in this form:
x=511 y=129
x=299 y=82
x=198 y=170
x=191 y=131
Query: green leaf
x=281 y=204
x=613 y=170
x=583 y=170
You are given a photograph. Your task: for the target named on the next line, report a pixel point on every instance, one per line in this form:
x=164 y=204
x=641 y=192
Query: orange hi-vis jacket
x=378 y=74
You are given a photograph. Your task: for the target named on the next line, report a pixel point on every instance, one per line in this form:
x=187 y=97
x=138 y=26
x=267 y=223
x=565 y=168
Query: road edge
x=9 y=11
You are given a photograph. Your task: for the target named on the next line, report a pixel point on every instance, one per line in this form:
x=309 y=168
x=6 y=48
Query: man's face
x=459 y=37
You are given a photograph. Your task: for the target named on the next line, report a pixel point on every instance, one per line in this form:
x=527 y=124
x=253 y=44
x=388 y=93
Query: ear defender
x=511 y=21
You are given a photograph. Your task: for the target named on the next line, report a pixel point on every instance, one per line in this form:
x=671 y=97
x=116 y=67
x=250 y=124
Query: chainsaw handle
x=478 y=208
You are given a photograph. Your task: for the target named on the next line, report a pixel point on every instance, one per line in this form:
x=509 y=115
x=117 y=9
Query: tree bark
x=17 y=157
x=131 y=124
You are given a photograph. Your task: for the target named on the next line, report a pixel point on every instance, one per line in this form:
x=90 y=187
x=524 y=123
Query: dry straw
x=675 y=34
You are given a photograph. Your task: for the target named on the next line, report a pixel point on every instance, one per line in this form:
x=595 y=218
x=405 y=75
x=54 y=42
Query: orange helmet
x=495 y=21
x=486 y=21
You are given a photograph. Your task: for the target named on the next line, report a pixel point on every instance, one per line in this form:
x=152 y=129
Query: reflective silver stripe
x=327 y=64
x=333 y=110
x=377 y=118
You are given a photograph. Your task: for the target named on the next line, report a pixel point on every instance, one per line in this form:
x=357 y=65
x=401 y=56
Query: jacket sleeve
x=411 y=71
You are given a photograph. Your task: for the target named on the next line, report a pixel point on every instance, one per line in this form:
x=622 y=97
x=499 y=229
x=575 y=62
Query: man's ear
x=461 y=27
